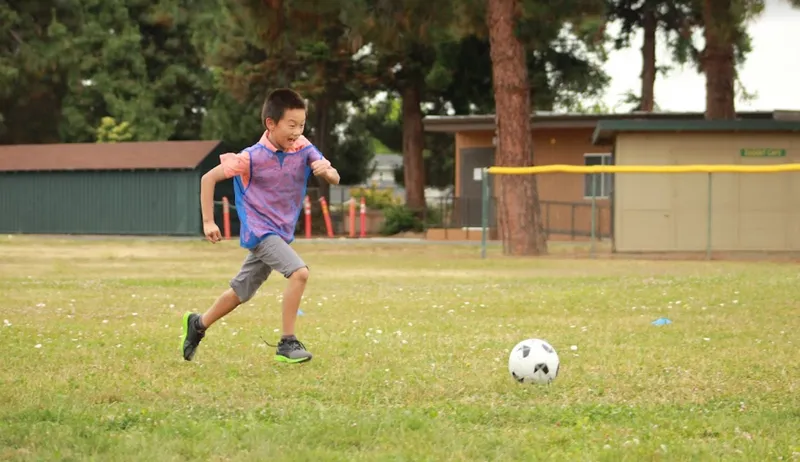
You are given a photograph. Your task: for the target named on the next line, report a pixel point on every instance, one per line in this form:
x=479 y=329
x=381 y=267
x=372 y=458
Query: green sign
x=763 y=152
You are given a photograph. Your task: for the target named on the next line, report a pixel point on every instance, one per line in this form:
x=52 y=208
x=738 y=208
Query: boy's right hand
x=211 y=230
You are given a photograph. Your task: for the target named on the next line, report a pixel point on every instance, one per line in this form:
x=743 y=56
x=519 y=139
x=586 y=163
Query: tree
x=672 y=17
x=727 y=43
x=255 y=46
x=403 y=36
x=519 y=217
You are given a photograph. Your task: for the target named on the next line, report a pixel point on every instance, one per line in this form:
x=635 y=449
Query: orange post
x=307 y=210
x=352 y=217
x=226 y=217
x=327 y=215
x=363 y=218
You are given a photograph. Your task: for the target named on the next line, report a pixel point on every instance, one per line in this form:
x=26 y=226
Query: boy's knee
x=300 y=275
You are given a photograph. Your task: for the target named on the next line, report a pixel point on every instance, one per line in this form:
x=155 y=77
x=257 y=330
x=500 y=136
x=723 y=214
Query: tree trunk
x=718 y=61
x=322 y=135
x=413 y=144
x=649 y=26
x=519 y=220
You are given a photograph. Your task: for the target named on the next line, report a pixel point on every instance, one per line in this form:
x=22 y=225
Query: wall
x=93 y=202
x=554 y=146
x=669 y=212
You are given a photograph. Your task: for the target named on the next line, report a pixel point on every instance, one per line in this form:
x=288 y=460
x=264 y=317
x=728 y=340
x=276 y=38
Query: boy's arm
x=321 y=167
x=331 y=175
x=207 y=185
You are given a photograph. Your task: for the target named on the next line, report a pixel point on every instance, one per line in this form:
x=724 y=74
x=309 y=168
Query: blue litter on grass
x=300 y=312
x=661 y=322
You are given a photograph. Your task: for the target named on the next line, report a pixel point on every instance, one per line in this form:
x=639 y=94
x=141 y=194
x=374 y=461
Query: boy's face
x=286 y=132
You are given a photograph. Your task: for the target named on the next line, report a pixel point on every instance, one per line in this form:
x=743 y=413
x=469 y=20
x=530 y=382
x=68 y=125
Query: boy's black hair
x=278 y=101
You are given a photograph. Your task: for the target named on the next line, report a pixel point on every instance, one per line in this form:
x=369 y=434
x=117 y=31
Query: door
x=469 y=202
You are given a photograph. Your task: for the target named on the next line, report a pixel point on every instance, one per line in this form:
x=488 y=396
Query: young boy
x=270 y=185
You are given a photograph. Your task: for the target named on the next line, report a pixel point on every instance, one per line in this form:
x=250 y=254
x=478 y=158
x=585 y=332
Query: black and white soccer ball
x=533 y=361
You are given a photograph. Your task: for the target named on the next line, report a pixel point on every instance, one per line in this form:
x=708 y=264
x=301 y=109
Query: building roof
x=607 y=130
x=547 y=119
x=145 y=155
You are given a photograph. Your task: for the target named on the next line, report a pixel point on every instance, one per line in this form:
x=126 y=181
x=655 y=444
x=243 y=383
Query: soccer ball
x=533 y=361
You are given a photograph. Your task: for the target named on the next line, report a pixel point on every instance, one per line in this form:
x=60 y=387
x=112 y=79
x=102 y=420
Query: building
x=557 y=139
x=134 y=188
x=669 y=212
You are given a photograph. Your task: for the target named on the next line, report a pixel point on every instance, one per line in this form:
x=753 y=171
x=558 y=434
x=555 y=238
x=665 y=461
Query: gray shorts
x=273 y=253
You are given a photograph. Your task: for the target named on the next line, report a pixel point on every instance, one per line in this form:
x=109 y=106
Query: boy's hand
x=319 y=167
x=211 y=230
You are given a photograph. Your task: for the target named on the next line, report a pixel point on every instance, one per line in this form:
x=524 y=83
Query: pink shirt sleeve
x=236 y=165
x=314 y=155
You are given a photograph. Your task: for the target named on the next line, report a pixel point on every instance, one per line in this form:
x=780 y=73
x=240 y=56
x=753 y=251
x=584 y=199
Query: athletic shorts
x=273 y=253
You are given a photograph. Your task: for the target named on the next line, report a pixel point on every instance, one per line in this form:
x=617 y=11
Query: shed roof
x=607 y=130
x=145 y=155
x=549 y=120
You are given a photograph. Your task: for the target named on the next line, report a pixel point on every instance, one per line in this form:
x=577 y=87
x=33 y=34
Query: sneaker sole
x=185 y=325
x=284 y=359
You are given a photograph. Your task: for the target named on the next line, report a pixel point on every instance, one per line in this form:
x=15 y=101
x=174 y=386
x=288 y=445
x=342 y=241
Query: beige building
x=656 y=212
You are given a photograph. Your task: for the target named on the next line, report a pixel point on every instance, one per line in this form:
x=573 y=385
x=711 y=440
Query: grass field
x=411 y=345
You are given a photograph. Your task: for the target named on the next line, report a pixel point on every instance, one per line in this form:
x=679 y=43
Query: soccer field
x=411 y=346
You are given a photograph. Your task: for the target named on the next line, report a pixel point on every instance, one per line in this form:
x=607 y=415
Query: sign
x=477 y=174
x=763 y=152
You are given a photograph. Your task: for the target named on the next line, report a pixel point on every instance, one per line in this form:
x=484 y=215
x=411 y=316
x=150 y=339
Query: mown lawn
x=410 y=345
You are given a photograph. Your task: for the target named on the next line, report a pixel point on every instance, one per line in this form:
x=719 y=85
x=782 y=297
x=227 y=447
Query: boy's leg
x=278 y=255
x=251 y=276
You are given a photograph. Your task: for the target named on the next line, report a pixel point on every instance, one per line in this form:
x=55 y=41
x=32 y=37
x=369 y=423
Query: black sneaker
x=291 y=351
x=192 y=334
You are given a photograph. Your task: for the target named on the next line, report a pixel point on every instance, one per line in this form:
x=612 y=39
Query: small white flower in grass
x=133 y=324
x=319 y=303
x=404 y=342
x=40 y=305
x=7 y=323
x=735 y=302
x=119 y=346
x=275 y=330
x=134 y=314
x=410 y=324
x=379 y=331
x=171 y=305
x=38 y=345
x=574 y=348
x=706 y=339
x=105 y=321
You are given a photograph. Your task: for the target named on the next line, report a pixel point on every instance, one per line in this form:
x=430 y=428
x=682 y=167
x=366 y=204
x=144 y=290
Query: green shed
x=133 y=188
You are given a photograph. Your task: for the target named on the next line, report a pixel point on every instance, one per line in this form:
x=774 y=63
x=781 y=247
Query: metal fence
x=561 y=220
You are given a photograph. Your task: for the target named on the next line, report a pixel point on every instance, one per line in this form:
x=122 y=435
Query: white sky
x=772 y=69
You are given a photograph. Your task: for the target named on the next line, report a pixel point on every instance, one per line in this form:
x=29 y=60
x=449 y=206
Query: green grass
x=410 y=345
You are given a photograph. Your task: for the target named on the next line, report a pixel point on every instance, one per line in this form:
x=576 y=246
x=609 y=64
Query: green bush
x=375 y=199
x=399 y=219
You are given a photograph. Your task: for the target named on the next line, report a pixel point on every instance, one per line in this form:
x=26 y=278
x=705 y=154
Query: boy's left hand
x=319 y=167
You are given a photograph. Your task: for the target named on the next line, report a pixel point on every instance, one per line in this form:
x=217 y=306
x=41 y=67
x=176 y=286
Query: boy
x=270 y=185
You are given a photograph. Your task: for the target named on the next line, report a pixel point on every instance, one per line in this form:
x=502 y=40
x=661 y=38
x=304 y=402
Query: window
x=604 y=181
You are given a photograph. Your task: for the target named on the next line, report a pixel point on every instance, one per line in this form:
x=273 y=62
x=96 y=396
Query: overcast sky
x=772 y=69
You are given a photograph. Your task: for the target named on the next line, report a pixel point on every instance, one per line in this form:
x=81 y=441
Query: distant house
x=132 y=188
x=557 y=139
x=383 y=167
